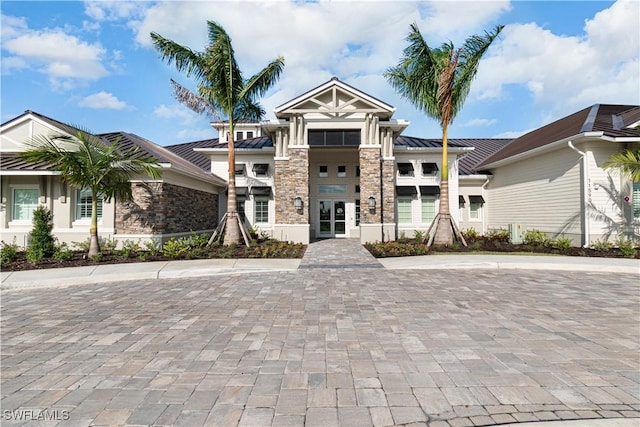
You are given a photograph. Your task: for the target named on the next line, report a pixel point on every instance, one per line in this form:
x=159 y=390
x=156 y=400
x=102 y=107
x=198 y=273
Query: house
x=552 y=179
x=334 y=163
x=184 y=199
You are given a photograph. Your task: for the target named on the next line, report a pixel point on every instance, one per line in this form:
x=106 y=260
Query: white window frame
x=260 y=200
x=478 y=211
x=403 y=200
x=78 y=218
x=422 y=210
x=29 y=220
x=635 y=199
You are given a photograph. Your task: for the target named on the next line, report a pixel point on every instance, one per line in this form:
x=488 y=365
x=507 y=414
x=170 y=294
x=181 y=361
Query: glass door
x=332 y=218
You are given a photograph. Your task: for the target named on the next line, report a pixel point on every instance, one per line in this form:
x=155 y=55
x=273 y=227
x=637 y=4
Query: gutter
x=585 y=194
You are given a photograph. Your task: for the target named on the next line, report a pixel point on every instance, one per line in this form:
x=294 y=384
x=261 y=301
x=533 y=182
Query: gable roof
x=158 y=153
x=483 y=148
x=185 y=150
x=600 y=118
x=335 y=84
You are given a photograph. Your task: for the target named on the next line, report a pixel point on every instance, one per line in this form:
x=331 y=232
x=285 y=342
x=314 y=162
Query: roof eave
x=434 y=149
x=205 y=177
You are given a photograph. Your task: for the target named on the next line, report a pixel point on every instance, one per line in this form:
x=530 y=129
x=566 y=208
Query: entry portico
x=326 y=167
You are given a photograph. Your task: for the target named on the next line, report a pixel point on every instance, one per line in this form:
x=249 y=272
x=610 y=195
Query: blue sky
x=92 y=64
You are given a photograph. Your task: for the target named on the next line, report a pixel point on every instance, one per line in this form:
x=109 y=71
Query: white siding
x=542 y=193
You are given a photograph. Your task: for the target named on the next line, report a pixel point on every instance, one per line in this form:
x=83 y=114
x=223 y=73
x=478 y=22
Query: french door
x=332 y=218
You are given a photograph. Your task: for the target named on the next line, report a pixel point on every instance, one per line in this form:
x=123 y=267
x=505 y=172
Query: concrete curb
x=600 y=422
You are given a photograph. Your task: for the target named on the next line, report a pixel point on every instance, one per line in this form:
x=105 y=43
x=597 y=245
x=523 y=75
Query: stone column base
x=296 y=233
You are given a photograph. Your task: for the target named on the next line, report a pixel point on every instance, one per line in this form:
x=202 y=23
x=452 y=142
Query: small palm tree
x=437 y=81
x=86 y=162
x=626 y=162
x=222 y=92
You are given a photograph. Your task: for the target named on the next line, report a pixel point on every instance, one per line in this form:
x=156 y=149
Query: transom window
x=261 y=211
x=260 y=169
x=405 y=169
x=334 y=137
x=25 y=201
x=332 y=189
x=83 y=204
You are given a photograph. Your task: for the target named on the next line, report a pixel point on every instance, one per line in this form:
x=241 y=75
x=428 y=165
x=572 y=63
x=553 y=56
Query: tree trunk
x=232 y=227
x=94 y=243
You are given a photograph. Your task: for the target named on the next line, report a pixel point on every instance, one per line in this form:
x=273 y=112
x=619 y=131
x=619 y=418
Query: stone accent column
x=370 y=185
x=388 y=194
x=292 y=180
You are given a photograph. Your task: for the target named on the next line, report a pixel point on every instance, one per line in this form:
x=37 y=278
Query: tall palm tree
x=437 y=81
x=222 y=92
x=86 y=162
x=626 y=162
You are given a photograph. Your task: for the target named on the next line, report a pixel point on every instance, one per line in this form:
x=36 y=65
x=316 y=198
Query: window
x=260 y=169
x=83 y=204
x=429 y=169
x=261 y=211
x=239 y=136
x=357 y=188
x=324 y=171
x=319 y=137
x=240 y=207
x=25 y=201
x=240 y=169
x=249 y=134
x=428 y=209
x=332 y=189
x=357 y=212
x=404 y=211
x=405 y=169
x=358 y=170
x=475 y=206
x=635 y=199
x=342 y=171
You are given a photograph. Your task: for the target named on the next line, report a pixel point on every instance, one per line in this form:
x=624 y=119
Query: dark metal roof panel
x=11 y=163
x=413 y=142
x=186 y=152
x=483 y=148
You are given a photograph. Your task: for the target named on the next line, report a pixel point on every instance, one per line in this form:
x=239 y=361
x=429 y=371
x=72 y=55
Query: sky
x=92 y=64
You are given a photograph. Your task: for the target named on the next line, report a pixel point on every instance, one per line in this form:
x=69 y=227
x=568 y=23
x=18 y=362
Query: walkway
x=336 y=342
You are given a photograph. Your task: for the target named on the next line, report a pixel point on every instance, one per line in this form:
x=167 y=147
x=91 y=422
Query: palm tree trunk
x=94 y=243
x=232 y=227
x=444 y=229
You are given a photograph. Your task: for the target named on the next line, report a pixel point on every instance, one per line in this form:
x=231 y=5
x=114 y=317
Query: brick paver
x=340 y=341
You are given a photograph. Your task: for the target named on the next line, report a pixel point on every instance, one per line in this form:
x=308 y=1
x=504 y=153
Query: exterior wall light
x=372 y=204
x=297 y=203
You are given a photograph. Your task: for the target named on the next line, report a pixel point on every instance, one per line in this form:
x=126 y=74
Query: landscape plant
x=223 y=93
x=8 y=252
x=86 y=162
x=41 y=240
x=437 y=82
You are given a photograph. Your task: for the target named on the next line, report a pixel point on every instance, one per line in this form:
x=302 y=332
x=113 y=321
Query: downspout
x=485 y=213
x=585 y=194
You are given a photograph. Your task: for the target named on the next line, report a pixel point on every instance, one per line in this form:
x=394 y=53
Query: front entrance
x=332 y=218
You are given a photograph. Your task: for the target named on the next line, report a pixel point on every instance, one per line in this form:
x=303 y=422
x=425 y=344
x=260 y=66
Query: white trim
x=29 y=173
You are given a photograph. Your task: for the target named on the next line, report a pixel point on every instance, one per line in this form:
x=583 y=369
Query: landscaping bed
x=186 y=248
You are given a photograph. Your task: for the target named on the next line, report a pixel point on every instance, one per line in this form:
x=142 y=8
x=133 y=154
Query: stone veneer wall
x=389 y=191
x=369 y=184
x=161 y=208
x=292 y=180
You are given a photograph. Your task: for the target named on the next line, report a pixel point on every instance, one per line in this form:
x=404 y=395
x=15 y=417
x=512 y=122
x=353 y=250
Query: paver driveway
x=340 y=341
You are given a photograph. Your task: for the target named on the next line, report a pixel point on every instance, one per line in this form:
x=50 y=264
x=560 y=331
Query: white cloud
x=64 y=58
x=480 y=122
x=177 y=112
x=355 y=41
x=196 y=134
x=566 y=73
x=113 y=10
x=102 y=100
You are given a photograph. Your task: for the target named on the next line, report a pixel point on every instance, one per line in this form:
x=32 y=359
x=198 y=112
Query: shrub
x=535 y=237
x=498 y=235
x=626 y=247
x=175 y=248
x=63 y=252
x=397 y=248
x=562 y=243
x=153 y=247
x=129 y=249
x=602 y=246
x=106 y=245
x=8 y=252
x=420 y=236
x=41 y=241
x=471 y=235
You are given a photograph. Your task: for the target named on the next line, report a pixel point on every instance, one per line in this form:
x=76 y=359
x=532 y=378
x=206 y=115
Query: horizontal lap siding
x=542 y=193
